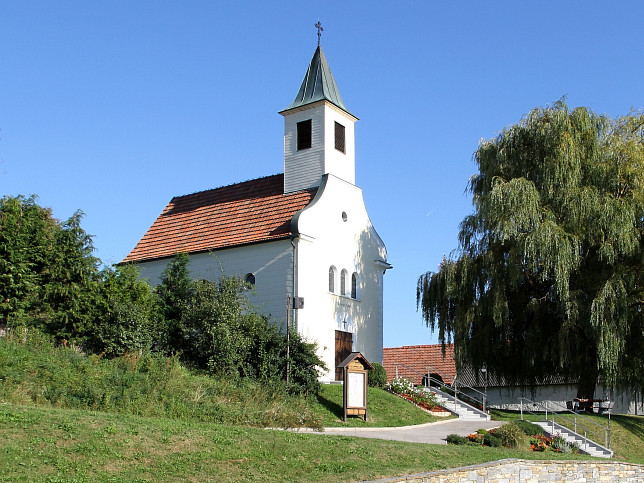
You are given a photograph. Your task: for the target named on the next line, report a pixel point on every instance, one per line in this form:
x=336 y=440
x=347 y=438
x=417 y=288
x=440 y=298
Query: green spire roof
x=318 y=84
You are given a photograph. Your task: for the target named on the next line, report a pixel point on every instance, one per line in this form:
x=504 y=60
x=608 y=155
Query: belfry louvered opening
x=339 y=137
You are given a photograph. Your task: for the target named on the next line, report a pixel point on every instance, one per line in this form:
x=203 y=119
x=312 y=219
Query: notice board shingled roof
x=239 y=214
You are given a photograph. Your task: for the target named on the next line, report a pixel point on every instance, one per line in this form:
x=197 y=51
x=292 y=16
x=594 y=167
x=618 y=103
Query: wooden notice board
x=355 y=369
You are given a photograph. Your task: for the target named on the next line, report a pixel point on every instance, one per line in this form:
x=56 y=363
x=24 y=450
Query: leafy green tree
x=548 y=278
x=223 y=334
x=217 y=333
x=128 y=318
x=49 y=278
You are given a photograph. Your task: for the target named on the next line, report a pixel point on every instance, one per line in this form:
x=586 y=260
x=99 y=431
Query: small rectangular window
x=304 y=135
x=339 y=137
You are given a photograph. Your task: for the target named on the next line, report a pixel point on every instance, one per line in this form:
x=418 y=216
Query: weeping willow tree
x=549 y=274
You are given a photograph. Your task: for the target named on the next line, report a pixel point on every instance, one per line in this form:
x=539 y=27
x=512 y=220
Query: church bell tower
x=318 y=131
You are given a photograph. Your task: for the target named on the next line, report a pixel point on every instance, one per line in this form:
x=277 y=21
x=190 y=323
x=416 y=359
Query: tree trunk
x=587 y=384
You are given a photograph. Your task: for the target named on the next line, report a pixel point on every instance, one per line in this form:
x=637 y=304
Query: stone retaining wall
x=524 y=471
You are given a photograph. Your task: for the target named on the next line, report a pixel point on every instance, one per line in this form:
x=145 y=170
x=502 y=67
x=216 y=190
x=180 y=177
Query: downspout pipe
x=294 y=312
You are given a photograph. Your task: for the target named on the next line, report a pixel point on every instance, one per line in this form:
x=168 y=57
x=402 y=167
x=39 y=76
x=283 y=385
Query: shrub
x=492 y=440
x=456 y=439
x=530 y=429
x=127 y=318
x=510 y=435
x=378 y=376
x=223 y=335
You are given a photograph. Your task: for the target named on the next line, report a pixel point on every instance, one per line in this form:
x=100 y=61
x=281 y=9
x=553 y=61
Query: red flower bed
x=422 y=404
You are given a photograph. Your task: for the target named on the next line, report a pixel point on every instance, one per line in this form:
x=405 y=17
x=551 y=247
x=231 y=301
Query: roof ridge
x=418 y=345
x=228 y=185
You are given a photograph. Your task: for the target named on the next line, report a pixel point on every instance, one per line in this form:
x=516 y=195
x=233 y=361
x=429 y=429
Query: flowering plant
x=405 y=388
x=476 y=438
x=400 y=385
x=540 y=442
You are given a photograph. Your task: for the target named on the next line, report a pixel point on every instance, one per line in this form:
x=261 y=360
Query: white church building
x=304 y=235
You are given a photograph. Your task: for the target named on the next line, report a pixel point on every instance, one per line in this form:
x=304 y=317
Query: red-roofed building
x=241 y=214
x=304 y=233
x=413 y=362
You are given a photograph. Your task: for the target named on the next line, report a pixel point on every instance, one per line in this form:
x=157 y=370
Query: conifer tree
x=48 y=275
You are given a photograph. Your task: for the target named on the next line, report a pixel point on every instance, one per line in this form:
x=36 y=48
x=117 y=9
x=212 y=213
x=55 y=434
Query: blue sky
x=115 y=107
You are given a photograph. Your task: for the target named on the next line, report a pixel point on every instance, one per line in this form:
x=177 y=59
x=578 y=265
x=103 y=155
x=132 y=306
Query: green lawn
x=51 y=444
x=384 y=409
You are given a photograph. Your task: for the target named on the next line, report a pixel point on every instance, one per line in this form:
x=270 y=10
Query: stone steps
x=586 y=445
x=461 y=409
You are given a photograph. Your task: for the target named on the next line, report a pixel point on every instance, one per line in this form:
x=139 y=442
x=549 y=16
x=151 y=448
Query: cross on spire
x=320 y=30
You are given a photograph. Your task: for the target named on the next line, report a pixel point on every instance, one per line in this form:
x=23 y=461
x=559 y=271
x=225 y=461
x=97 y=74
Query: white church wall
x=270 y=262
x=326 y=239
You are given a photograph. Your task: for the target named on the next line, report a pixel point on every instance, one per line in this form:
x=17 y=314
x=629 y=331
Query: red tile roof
x=239 y=214
x=416 y=360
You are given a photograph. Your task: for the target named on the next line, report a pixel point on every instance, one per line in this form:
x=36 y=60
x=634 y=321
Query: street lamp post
x=484 y=372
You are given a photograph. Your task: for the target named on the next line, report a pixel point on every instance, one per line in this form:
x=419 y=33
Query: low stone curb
x=531 y=471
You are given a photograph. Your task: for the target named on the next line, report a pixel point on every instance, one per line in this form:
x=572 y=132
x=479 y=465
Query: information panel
x=356 y=389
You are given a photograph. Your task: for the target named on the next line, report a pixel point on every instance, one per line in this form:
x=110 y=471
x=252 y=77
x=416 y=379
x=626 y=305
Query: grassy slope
x=384 y=409
x=148 y=385
x=162 y=423
x=37 y=373
x=50 y=444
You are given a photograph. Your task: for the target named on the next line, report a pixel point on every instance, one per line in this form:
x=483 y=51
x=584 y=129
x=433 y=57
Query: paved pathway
x=433 y=433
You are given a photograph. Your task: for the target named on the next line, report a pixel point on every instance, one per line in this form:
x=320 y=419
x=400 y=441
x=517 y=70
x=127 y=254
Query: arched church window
x=250 y=279
x=354 y=285
x=343 y=282
x=332 y=279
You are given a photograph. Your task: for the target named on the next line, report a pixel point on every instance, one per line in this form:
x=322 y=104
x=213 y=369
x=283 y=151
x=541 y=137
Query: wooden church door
x=343 y=347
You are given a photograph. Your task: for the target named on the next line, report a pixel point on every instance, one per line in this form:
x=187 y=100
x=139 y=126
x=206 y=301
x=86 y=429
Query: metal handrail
x=606 y=429
x=454 y=387
x=483 y=394
x=470 y=387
